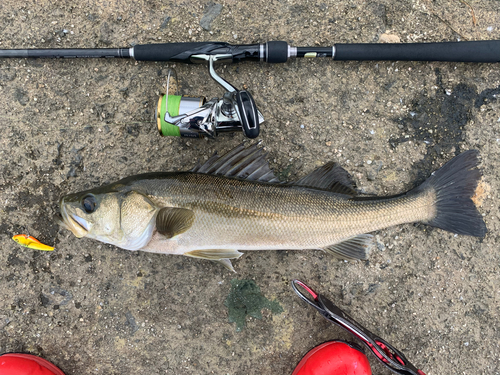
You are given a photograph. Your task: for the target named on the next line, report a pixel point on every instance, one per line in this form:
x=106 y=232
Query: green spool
x=167 y=129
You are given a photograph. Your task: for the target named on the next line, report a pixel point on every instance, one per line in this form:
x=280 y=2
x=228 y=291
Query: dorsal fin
x=246 y=163
x=330 y=176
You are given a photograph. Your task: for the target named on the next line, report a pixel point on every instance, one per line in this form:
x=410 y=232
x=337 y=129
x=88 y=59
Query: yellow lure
x=31 y=242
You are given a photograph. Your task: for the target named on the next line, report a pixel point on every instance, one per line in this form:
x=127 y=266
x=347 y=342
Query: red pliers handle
x=385 y=352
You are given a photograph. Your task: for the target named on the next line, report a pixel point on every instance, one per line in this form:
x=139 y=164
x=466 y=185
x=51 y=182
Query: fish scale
x=256 y=216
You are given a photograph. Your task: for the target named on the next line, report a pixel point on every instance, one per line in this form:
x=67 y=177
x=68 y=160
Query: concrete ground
x=69 y=125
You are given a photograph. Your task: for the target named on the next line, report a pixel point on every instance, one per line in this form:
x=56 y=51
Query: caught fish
x=235 y=202
x=31 y=242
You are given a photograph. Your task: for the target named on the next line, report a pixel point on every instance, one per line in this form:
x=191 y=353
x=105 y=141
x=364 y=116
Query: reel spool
x=184 y=116
x=174 y=105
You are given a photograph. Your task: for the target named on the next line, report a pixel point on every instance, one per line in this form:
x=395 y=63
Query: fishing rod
x=179 y=115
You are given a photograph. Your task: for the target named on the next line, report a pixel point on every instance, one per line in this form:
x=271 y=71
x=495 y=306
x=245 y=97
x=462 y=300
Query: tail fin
x=455 y=184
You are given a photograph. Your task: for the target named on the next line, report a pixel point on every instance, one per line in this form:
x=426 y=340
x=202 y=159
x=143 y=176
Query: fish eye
x=89 y=204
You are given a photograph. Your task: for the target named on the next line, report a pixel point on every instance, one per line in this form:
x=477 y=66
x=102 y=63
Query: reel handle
x=247 y=111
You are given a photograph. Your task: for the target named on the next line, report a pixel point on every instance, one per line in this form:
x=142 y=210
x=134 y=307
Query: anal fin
x=357 y=247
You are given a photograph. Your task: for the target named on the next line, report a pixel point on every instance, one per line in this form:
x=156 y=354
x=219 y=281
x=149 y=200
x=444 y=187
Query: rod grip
x=486 y=51
x=277 y=52
x=180 y=52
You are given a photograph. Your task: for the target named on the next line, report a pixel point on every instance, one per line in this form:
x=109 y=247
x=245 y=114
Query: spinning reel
x=179 y=115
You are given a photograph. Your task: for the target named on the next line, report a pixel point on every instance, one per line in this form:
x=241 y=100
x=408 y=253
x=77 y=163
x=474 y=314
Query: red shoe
x=26 y=364
x=334 y=358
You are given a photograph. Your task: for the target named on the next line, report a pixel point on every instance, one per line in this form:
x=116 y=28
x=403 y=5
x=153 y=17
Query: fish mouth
x=78 y=226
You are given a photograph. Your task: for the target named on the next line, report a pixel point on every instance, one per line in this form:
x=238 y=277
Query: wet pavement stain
x=245 y=298
x=440 y=120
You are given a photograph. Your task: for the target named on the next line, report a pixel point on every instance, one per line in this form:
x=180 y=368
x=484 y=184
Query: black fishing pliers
x=385 y=352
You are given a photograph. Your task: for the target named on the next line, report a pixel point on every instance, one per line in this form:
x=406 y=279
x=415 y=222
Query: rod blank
x=66 y=53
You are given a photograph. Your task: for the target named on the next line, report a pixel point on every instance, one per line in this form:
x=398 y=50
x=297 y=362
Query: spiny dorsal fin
x=357 y=247
x=330 y=176
x=172 y=221
x=246 y=163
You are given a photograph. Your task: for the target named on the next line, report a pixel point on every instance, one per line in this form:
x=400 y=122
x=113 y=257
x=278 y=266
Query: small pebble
x=389 y=38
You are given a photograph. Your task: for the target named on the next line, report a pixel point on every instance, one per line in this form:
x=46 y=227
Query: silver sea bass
x=235 y=202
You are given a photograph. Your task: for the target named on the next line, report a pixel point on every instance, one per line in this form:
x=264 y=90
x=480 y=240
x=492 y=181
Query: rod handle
x=486 y=51
x=182 y=52
x=276 y=52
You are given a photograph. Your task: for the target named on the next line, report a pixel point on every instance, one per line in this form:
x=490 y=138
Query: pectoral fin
x=220 y=256
x=172 y=221
x=354 y=248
